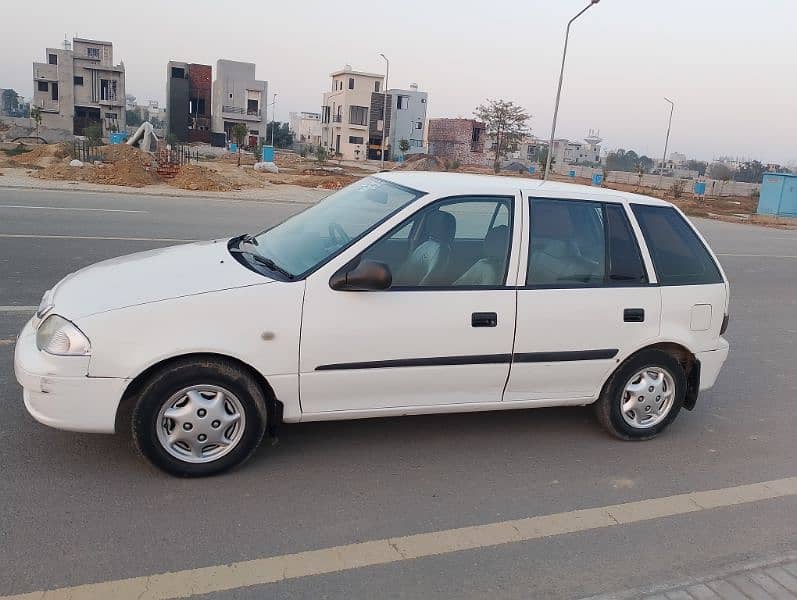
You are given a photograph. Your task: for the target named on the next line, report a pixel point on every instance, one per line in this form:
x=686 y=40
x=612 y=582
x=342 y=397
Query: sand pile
x=422 y=162
x=42 y=155
x=194 y=177
x=287 y=159
x=124 y=165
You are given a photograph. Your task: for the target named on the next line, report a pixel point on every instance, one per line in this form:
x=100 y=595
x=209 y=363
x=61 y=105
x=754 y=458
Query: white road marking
x=224 y=577
x=18 y=309
x=91 y=237
x=758 y=255
x=113 y=210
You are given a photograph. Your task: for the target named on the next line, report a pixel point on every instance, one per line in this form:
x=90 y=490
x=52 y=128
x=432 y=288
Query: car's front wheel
x=199 y=417
x=643 y=396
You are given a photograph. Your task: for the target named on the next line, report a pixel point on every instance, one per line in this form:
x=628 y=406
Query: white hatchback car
x=404 y=293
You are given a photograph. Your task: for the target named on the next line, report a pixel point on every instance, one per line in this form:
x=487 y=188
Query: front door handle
x=634 y=315
x=484 y=319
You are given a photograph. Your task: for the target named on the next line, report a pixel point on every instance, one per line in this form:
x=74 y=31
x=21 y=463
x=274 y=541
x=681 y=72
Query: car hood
x=152 y=276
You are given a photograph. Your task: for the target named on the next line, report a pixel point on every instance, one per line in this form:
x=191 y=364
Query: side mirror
x=366 y=276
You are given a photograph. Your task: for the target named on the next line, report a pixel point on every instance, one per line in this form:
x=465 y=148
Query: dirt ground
x=122 y=165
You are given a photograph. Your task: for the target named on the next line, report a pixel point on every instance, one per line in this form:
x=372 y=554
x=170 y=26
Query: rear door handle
x=484 y=319
x=634 y=315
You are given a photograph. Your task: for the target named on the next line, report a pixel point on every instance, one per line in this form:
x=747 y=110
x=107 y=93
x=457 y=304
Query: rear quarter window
x=679 y=256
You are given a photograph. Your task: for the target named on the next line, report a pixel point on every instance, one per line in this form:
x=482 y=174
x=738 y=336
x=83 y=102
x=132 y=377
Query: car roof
x=444 y=183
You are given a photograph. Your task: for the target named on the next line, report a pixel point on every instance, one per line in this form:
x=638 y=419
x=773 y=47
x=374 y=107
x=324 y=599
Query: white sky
x=730 y=65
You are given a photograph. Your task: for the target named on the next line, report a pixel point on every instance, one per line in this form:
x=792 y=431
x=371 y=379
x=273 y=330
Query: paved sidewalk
x=775 y=579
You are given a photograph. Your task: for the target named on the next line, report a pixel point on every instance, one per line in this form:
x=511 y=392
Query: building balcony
x=337 y=118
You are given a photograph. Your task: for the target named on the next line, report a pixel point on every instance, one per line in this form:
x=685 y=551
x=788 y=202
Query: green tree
x=321 y=154
x=697 y=165
x=283 y=136
x=720 y=171
x=9 y=104
x=93 y=133
x=36 y=115
x=629 y=161
x=751 y=172
x=506 y=122
x=133 y=118
x=404 y=146
x=239 y=135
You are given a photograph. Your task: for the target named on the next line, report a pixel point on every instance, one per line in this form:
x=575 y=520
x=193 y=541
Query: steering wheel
x=338 y=235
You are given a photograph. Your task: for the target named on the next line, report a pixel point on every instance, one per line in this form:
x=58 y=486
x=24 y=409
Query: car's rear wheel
x=643 y=396
x=199 y=417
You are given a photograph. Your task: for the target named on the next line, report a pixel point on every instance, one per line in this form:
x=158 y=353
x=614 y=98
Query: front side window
x=679 y=256
x=454 y=243
x=568 y=245
x=307 y=240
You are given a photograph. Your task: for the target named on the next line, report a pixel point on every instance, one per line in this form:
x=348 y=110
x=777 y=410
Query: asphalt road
x=78 y=509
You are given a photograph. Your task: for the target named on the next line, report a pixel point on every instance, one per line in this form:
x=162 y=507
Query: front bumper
x=710 y=364
x=57 y=391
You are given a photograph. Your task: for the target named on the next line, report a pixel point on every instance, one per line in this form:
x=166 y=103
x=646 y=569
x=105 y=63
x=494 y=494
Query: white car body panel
x=143 y=309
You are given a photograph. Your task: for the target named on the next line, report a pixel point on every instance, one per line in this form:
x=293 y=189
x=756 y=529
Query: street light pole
x=666 y=142
x=384 y=112
x=273 y=118
x=559 y=89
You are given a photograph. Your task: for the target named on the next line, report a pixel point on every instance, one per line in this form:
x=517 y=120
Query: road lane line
x=113 y=210
x=759 y=255
x=91 y=237
x=261 y=571
x=18 y=309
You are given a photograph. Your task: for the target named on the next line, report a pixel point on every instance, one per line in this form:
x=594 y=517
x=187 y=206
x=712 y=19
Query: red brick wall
x=452 y=139
x=199 y=86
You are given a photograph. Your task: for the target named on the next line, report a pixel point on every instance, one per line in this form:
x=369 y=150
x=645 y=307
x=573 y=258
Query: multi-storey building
x=306 y=127
x=79 y=86
x=352 y=123
x=188 y=101
x=239 y=98
x=406 y=120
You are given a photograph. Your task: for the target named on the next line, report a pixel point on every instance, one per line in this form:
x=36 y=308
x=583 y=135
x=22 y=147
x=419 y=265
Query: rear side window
x=625 y=261
x=680 y=258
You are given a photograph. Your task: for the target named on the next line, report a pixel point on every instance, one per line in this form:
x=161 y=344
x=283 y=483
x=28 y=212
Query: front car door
x=587 y=300
x=440 y=335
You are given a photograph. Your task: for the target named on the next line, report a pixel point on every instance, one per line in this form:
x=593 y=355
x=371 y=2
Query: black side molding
x=565 y=356
x=474 y=359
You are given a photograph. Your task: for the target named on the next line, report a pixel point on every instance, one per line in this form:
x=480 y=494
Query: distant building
x=457 y=139
x=407 y=120
x=79 y=86
x=188 y=101
x=239 y=98
x=306 y=127
x=528 y=150
x=677 y=159
x=566 y=152
x=352 y=119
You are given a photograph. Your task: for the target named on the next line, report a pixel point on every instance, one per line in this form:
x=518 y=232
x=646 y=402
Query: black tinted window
x=625 y=262
x=680 y=258
x=568 y=244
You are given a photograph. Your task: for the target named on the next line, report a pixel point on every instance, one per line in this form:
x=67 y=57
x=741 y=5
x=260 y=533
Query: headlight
x=58 y=336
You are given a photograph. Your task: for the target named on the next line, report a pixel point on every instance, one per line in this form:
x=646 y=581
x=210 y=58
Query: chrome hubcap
x=201 y=423
x=647 y=398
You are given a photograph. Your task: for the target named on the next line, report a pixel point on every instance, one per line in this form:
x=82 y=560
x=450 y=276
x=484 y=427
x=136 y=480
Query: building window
x=351 y=83
x=230 y=96
x=78 y=80
x=43 y=86
x=254 y=132
x=358 y=115
x=355 y=140
x=54 y=91
x=112 y=116
x=108 y=90
x=178 y=73
x=253 y=108
x=93 y=52
x=52 y=59
x=402 y=102
x=377 y=85
x=419 y=125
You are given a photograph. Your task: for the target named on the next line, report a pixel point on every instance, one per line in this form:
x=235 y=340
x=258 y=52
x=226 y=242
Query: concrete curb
x=723 y=573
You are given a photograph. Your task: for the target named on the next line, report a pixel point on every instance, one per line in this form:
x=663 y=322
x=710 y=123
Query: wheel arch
x=124 y=411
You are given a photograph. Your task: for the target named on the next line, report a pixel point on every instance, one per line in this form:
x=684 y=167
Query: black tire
x=198 y=371
x=608 y=407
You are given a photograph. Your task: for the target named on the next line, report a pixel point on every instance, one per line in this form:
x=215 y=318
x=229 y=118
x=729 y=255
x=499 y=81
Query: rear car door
x=586 y=302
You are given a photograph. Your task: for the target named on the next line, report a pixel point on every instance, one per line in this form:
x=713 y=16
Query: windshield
x=308 y=239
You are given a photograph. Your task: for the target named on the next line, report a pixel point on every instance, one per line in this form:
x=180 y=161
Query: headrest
x=441 y=226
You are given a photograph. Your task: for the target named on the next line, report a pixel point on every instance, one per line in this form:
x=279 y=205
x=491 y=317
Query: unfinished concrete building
x=80 y=86
x=460 y=140
x=239 y=98
x=188 y=101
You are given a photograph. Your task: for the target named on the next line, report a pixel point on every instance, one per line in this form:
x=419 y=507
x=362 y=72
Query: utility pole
x=384 y=112
x=273 y=119
x=559 y=89
x=666 y=141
